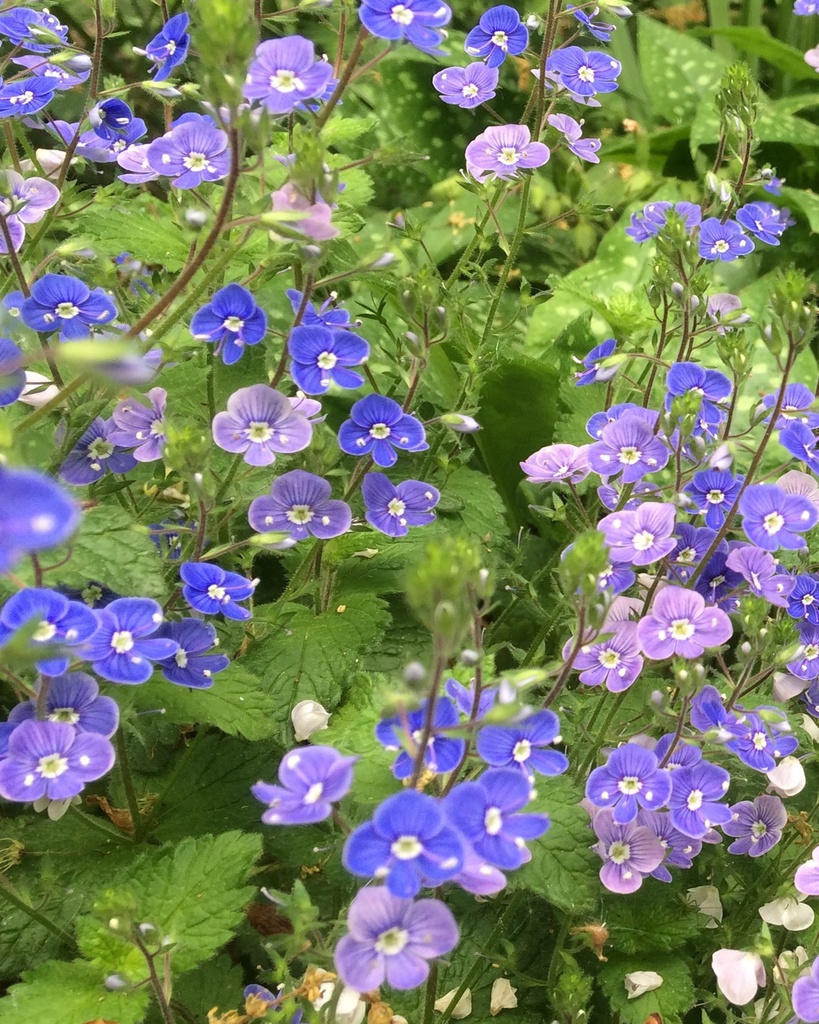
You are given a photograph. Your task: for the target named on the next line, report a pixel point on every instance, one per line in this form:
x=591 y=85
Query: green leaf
x=150 y=235
x=759 y=42
x=217 y=983
x=470 y=497
x=807 y=202
x=681 y=70
x=70 y=993
x=626 y=920
x=671 y=1000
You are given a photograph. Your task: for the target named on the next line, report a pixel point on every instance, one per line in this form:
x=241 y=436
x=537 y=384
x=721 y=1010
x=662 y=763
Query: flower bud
x=114 y=982
x=308 y=716
x=414 y=672
x=639 y=982
x=383 y=261
x=462 y=1008
x=788 y=778
x=460 y=423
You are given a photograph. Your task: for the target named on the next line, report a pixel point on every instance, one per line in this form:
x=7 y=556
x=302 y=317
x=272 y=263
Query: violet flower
x=498 y=34
x=680 y=623
x=796 y=406
x=556 y=463
x=773 y=519
x=757 y=825
x=141 y=428
x=31 y=198
x=629 y=780
x=378 y=426
x=417 y=21
x=629 y=851
x=584 y=73
x=503 y=150
x=614 y=662
x=260 y=424
x=299 y=504
x=192 y=153
x=521 y=745
x=642 y=536
x=73 y=698
x=694 y=802
x=65 y=304
x=124 y=647
x=169 y=47
x=322 y=357
x=94 y=455
x=680 y=850
x=723 y=310
x=285 y=73
x=443 y=752
x=59 y=625
x=191 y=664
x=210 y=589
x=723 y=241
x=628 y=446
x=585 y=149
x=302 y=215
x=53 y=760
x=756 y=745
x=311 y=780
x=714 y=494
x=765 y=221
x=805 y=991
x=467 y=87
x=393 y=508
x=35 y=514
x=12 y=375
x=592 y=372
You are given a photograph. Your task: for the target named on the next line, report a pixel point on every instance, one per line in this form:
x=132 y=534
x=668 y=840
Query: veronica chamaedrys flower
x=556 y=463
x=16 y=230
x=800 y=441
x=525 y=745
x=709 y=715
x=788 y=778
x=764 y=576
x=391 y=939
x=285 y=73
x=680 y=623
x=723 y=309
x=477 y=875
x=599 y=420
x=308 y=717
x=328 y=313
x=30 y=198
x=210 y=589
x=12 y=376
x=191 y=153
x=322 y=357
x=73 y=698
x=393 y=508
x=805 y=995
x=140 y=427
x=35 y=514
x=301 y=215
x=417 y=21
x=788 y=912
x=764 y=221
x=800 y=483
x=592 y=372
x=584 y=73
x=628 y=446
x=739 y=974
x=806 y=878
x=124 y=647
x=503 y=150
x=59 y=623
x=758 y=746
x=723 y=241
x=805 y=666
x=52 y=759
x=300 y=505
x=311 y=780
x=32 y=30
x=260 y=424
x=712 y=387
x=756 y=825
x=467 y=87
x=629 y=780
x=695 y=794
x=94 y=455
x=630 y=852
x=110 y=119
x=601 y=30
x=408 y=844
x=442 y=754
x=773 y=519
x=191 y=664
x=585 y=149
x=464 y=697
x=169 y=47
x=135 y=161
x=232 y=320
x=498 y=34
x=680 y=849
x=25 y=96
x=642 y=536
x=487 y=810
x=803 y=600
x=692 y=544
x=713 y=494
x=378 y=426
x=613 y=662
x=65 y=304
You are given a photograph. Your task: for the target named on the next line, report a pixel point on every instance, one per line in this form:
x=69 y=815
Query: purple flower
x=35 y=513
x=680 y=850
x=503 y=150
x=31 y=197
x=285 y=73
x=299 y=504
x=629 y=780
x=321 y=357
x=33 y=30
x=478 y=876
x=773 y=519
x=25 y=96
x=800 y=441
x=613 y=662
x=327 y=315
x=443 y=753
x=585 y=73
x=191 y=153
x=572 y=131
x=58 y=622
x=708 y=715
x=628 y=446
x=724 y=242
x=464 y=697
x=12 y=376
x=408 y=844
x=642 y=536
x=805 y=992
x=303 y=216
x=210 y=589
x=232 y=320
x=649 y=222
x=73 y=698
x=141 y=428
x=519 y=745
x=629 y=851
x=391 y=939
x=717 y=583
x=467 y=87
x=596 y=423
x=94 y=455
x=714 y=494
x=191 y=664
x=52 y=759
x=61 y=303
x=692 y=544
x=393 y=508
x=16 y=230
x=592 y=372
x=723 y=311
x=683 y=755
x=135 y=161
x=756 y=824
x=765 y=221
x=681 y=624
x=610 y=496
x=169 y=47
x=805 y=7
x=557 y=462
x=111 y=119
x=796 y=406
x=311 y=780
x=486 y=812
x=259 y=424
x=712 y=387
x=413 y=20
x=806 y=664
x=614 y=578
x=378 y=426
x=803 y=600
x=755 y=746
x=124 y=646
x=499 y=33
x=695 y=795
x=601 y=30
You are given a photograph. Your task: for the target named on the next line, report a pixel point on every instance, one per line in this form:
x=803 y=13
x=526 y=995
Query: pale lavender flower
x=682 y=624
x=299 y=504
x=723 y=310
x=259 y=424
x=503 y=150
x=629 y=851
x=763 y=574
x=141 y=428
x=757 y=825
x=629 y=780
x=585 y=149
x=557 y=462
x=312 y=219
x=285 y=73
x=467 y=87
x=613 y=662
x=642 y=536
x=805 y=992
x=311 y=780
x=52 y=759
x=628 y=446
x=191 y=153
x=695 y=794
x=31 y=197
x=773 y=519
x=135 y=161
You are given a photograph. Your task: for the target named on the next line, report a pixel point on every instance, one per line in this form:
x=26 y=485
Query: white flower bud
x=502 y=997
x=463 y=1007
x=415 y=672
x=308 y=716
x=34 y=393
x=788 y=778
x=350 y=1008
x=639 y=982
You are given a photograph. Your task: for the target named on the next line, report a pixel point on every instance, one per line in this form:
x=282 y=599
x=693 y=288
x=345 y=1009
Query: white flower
x=810 y=727
x=787 y=912
x=639 y=982
x=706 y=899
x=739 y=974
x=788 y=778
x=350 y=1008
x=308 y=716
x=463 y=1007
x=786 y=686
x=34 y=392
x=503 y=996
x=787 y=963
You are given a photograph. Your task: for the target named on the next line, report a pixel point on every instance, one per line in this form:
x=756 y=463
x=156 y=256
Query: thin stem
x=96 y=60
x=430 y=992
x=156 y=984
x=429 y=718
x=128 y=784
x=9 y=893
x=343 y=79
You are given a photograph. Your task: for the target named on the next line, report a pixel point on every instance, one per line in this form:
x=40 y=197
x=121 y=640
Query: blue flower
x=73 y=698
x=725 y=242
x=796 y=407
x=464 y=697
x=601 y=30
x=712 y=387
x=65 y=76
x=210 y=589
x=692 y=544
x=718 y=583
x=327 y=315
x=311 y=780
x=695 y=795
x=169 y=47
x=592 y=373
x=713 y=494
x=52 y=760
x=409 y=843
x=125 y=645
x=467 y=87
x=33 y=30
x=803 y=600
x=486 y=812
x=190 y=154
x=801 y=442
x=499 y=33
x=191 y=665
x=765 y=221
x=393 y=508
x=758 y=746
x=12 y=376
x=231 y=320
x=774 y=519
x=378 y=426
x=585 y=73
x=284 y=73
x=65 y=304
x=629 y=780
x=94 y=455
x=35 y=513
x=321 y=357
x=26 y=96
x=649 y=222
x=522 y=744
x=709 y=715
x=443 y=753
x=58 y=622
x=110 y=119
x=413 y=20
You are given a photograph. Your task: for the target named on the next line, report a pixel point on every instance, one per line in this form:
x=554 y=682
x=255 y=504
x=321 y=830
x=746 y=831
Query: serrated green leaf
x=471 y=498
x=670 y=1001
x=149 y=237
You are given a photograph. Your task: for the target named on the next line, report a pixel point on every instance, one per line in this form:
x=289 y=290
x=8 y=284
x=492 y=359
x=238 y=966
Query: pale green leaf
x=70 y=993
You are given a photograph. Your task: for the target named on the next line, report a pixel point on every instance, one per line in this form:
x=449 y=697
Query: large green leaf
x=679 y=70
x=670 y=1001
x=70 y=993
x=759 y=42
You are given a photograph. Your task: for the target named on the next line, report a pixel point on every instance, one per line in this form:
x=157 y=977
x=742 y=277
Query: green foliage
x=70 y=993
x=671 y=1001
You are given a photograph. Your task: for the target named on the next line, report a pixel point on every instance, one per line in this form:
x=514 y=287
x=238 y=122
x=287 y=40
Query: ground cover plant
x=409 y=606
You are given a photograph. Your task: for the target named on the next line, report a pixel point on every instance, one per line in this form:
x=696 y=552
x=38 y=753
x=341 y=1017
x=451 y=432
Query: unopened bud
x=383 y=261
x=460 y=423
x=469 y=657
x=308 y=716
x=114 y=982
x=415 y=672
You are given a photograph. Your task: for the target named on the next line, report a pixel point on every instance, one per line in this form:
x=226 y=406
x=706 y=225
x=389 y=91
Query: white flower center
x=406 y=848
x=217 y=593
x=585 y=73
x=682 y=629
x=286 y=81
x=469 y=91
x=122 y=641
x=327 y=360
x=66 y=310
x=52 y=766
x=402 y=15
x=760 y=740
x=608 y=658
x=314 y=793
x=629 y=456
x=396 y=507
x=720 y=246
x=233 y=323
x=629 y=785
x=758 y=830
x=24 y=97
x=299 y=514
x=99 y=450
x=643 y=540
x=196 y=162
x=493 y=820
x=67 y=715
x=259 y=432
x=694 y=801
x=522 y=751
x=773 y=523
x=500 y=39
x=392 y=941
x=715 y=497
x=44 y=632
x=619 y=852
x=181 y=658
x=379 y=431
x=508 y=156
